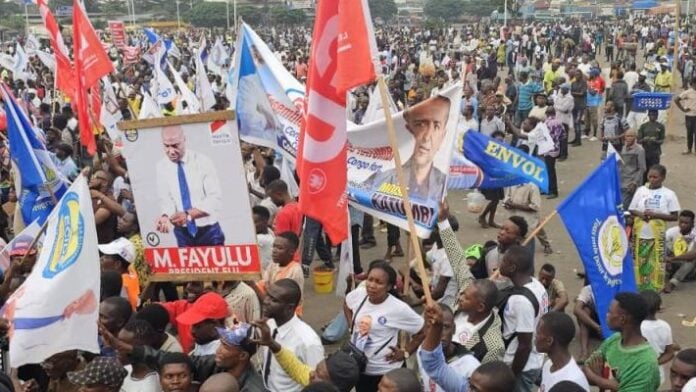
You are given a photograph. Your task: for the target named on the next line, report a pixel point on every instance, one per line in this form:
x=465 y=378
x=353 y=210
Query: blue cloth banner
x=594 y=219
x=37 y=172
x=480 y=161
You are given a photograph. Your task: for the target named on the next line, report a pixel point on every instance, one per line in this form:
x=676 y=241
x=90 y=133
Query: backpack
x=503 y=298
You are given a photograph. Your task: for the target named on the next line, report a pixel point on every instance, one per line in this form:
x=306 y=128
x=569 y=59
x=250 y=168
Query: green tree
x=284 y=15
x=207 y=15
x=445 y=9
x=15 y=22
x=385 y=9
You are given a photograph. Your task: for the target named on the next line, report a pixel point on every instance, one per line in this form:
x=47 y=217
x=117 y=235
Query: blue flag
x=593 y=216
x=38 y=176
x=480 y=161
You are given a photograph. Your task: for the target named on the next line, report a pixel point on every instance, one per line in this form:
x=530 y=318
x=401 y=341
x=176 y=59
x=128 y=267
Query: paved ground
x=320 y=309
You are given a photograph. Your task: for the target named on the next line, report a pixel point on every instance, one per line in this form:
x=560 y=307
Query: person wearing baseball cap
x=118 y=255
x=102 y=374
x=205 y=315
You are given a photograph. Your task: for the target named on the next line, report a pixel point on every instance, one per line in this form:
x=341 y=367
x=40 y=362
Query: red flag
x=65 y=74
x=91 y=60
x=343 y=56
x=91 y=63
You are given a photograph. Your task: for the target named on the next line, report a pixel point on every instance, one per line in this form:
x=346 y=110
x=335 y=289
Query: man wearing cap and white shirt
x=100 y=374
x=118 y=256
x=205 y=315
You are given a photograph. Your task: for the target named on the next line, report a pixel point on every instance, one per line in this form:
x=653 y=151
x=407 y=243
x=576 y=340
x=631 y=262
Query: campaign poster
x=425 y=137
x=188 y=182
x=118 y=33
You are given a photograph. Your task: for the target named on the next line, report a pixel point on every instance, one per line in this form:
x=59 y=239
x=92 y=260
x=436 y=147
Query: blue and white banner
x=61 y=295
x=480 y=161
x=267 y=98
x=38 y=176
x=425 y=135
x=595 y=222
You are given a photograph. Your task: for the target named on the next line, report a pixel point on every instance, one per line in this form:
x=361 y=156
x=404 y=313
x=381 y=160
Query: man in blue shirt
x=525 y=103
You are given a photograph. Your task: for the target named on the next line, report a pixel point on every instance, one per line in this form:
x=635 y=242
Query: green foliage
x=283 y=15
x=15 y=22
x=445 y=9
x=385 y=9
x=207 y=14
x=251 y=15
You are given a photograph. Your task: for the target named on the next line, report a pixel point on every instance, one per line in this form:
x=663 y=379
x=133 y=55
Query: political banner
x=425 y=135
x=186 y=174
x=118 y=33
x=482 y=162
x=267 y=98
x=60 y=298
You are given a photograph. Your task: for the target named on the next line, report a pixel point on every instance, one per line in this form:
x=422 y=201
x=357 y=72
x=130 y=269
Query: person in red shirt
x=289 y=217
x=175 y=308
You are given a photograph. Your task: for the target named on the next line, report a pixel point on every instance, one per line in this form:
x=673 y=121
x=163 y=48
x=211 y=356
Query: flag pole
x=391 y=131
x=539 y=227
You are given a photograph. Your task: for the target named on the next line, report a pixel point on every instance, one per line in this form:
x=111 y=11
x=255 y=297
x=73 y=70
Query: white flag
x=110 y=113
x=21 y=62
x=149 y=108
x=165 y=90
x=204 y=91
x=345 y=264
x=217 y=58
x=193 y=106
x=57 y=307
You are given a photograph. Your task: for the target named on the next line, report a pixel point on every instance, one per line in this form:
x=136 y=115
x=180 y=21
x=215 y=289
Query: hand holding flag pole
x=391 y=131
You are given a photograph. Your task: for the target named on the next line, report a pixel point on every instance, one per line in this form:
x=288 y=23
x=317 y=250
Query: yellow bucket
x=323 y=280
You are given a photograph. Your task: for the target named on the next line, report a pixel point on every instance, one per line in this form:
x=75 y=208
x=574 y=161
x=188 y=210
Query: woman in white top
x=652 y=206
x=376 y=315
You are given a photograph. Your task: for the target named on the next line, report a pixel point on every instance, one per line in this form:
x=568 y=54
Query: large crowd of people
x=499 y=321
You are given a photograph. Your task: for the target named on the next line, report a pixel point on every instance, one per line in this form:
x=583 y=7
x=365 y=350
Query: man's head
x=555 y=329
x=652 y=115
x=609 y=107
x=340 y=369
x=479 y=297
x=102 y=374
x=127 y=224
x=282 y=298
x=493 y=376
x=174 y=142
x=260 y=216
x=58 y=365
x=114 y=313
x=683 y=369
x=269 y=174
x=136 y=333
x=626 y=311
x=221 y=382
x=653 y=301
x=547 y=274
x=399 y=380
x=111 y=284
x=117 y=255
x=629 y=137
x=512 y=231
x=194 y=290
x=156 y=315
x=101 y=180
x=284 y=247
x=427 y=122
x=236 y=347
x=517 y=260
x=204 y=316
x=175 y=372
x=686 y=221
x=277 y=190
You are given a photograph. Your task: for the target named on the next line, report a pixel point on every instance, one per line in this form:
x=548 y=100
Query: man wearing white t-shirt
x=554 y=333
x=520 y=317
x=681 y=248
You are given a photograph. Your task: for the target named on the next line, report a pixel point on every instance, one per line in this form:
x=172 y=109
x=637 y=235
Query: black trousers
x=553 y=179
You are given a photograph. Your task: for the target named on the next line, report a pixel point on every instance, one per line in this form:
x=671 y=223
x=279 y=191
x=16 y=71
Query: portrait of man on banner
x=427 y=123
x=189 y=192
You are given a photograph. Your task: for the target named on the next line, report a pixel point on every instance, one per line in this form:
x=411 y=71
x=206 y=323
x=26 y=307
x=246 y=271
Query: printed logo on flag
x=69 y=237
x=220 y=134
x=612 y=244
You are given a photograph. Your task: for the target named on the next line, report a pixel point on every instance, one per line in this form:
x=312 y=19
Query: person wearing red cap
x=207 y=313
x=193 y=291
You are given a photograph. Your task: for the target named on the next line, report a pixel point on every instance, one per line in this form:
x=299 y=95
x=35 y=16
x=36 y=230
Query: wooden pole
x=539 y=227
x=391 y=132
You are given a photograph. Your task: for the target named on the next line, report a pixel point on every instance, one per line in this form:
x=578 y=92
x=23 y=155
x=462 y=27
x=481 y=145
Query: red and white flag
x=64 y=73
x=344 y=55
x=91 y=63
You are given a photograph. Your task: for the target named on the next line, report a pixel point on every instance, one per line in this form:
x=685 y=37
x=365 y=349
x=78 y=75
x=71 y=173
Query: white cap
x=690 y=386
x=122 y=247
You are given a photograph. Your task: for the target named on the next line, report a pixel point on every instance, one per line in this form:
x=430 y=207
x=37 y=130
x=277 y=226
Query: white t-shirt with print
x=662 y=200
x=658 y=333
x=570 y=372
x=383 y=321
x=519 y=317
x=442 y=268
x=465 y=330
x=465 y=365
x=149 y=383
